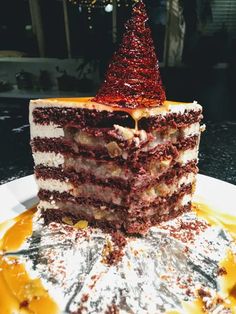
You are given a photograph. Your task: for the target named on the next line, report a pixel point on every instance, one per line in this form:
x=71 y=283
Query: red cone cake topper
x=133 y=77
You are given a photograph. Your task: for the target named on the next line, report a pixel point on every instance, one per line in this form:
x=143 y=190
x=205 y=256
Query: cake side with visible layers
x=92 y=162
x=126 y=158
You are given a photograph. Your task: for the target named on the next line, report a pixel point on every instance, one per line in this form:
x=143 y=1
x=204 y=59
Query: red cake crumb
x=186 y=232
x=112 y=309
x=188 y=292
x=221 y=271
x=207 y=299
x=82 y=308
x=24 y=304
x=219 y=300
x=84 y=298
x=94 y=278
x=203 y=293
x=113 y=252
x=118 y=239
x=133 y=77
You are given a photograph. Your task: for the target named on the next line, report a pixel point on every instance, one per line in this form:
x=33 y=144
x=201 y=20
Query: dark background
x=207 y=72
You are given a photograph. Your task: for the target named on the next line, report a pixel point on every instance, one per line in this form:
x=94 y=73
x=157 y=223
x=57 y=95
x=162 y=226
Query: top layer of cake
x=87 y=104
x=133 y=77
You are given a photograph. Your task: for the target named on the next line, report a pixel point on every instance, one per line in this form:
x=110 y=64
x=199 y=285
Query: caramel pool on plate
x=19 y=292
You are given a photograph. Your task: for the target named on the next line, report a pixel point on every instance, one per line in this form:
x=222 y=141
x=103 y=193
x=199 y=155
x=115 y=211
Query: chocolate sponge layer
x=83 y=118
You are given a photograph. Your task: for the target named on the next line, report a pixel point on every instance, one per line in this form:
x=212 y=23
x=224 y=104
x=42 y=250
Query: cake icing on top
x=133 y=77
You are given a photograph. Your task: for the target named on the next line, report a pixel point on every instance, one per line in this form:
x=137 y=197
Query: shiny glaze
x=88 y=103
x=13 y=275
x=133 y=76
x=227 y=282
x=216 y=217
x=18 y=292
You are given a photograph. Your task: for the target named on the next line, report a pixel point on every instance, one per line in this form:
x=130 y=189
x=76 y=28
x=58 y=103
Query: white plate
x=19 y=195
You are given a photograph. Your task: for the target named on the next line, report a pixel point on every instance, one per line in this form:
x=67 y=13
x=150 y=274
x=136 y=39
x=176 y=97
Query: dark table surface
x=217 y=150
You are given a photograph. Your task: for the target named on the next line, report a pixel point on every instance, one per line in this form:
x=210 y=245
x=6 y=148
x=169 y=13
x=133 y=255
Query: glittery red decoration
x=133 y=77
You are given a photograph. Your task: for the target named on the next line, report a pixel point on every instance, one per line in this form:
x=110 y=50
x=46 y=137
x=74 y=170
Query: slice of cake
x=126 y=159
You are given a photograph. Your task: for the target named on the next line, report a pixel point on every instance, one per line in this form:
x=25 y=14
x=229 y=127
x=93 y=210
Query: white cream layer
x=107 y=194
x=59 y=186
x=164 y=190
x=46 y=131
x=193 y=129
x=51 y=159
x=54 y=185
x=188 y=155
x=52 y=130
x=52 y=204
x=48 y=159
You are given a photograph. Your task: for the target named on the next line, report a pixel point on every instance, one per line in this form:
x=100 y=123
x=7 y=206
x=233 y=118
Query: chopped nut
x=67 y=220
x=113 y=149
x=116 y=171
x=81 y=224
x=171 y=131
x=99 y=214
x=151 y=192
x=194 y=186
x=126 y=133
x=165 y=162
x=163 y=189
x=83 y=138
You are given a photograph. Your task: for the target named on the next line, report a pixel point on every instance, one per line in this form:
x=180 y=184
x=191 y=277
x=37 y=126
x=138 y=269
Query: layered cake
x=126 y=159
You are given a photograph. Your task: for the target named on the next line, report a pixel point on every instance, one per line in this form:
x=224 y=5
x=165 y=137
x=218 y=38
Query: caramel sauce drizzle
x=136 y=113
x=227 y=281
x=194 y=307
x=216 y=217
x=18 y=292
x=24 y=295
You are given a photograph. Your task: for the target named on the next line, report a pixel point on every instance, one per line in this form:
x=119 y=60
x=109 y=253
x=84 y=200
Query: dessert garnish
x=133 y=77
